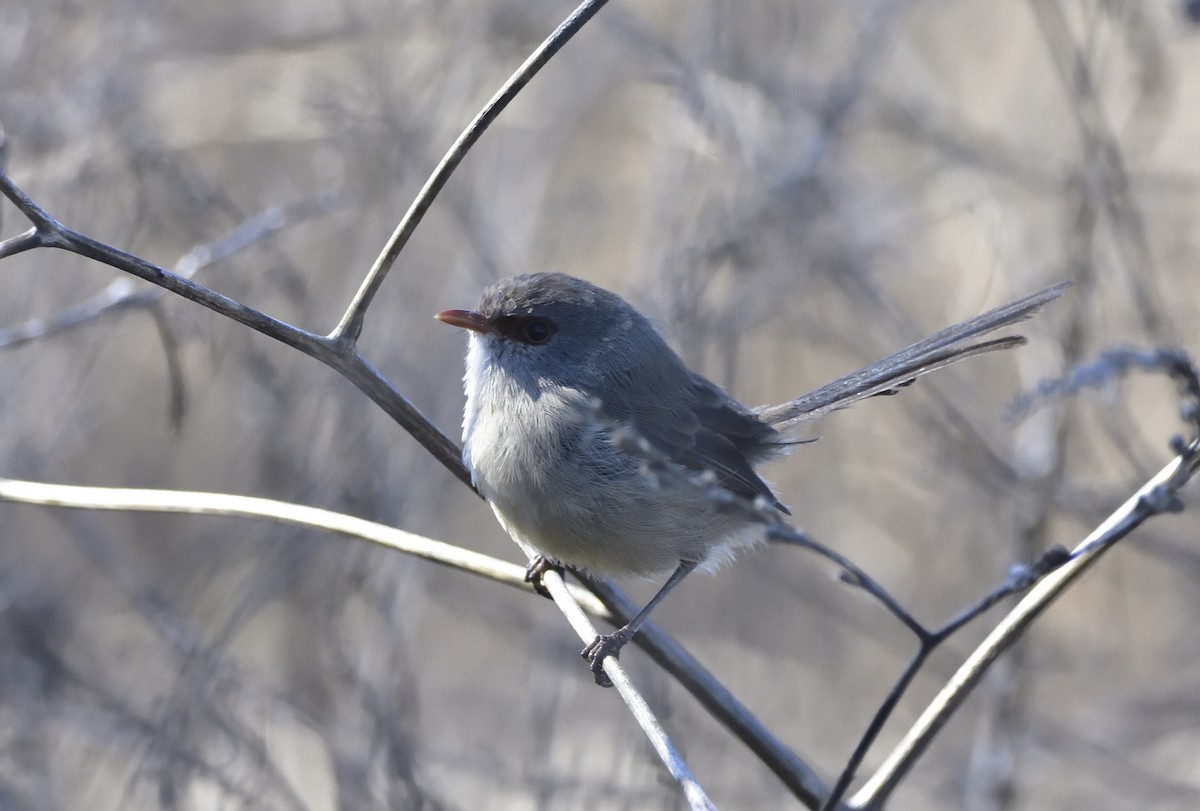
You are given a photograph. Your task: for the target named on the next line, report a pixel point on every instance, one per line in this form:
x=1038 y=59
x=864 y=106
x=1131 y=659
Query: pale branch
x=667 y=753
x=127 y=499
x=800 y=778
x=1159 y=495
x=1153 y=498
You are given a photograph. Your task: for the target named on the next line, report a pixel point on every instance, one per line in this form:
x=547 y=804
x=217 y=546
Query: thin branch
x=124 y=499
x=175 y=375
x=20 y=243
x=121 y=294
x=1020 y=578
x=351 y=324
x=854 y=575
x=48 y=232
x=800 y=778
x=1151 y=499
x=572 y=600
x=1157 y=496
x=666 y=750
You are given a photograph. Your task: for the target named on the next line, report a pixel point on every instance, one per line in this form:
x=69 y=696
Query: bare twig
x=572 y=600
x=351 y=324
x=121 y=294
x=232 y=506
x=666 y=750
x=1158 y=495
x=1151 y=499
x=341 y=357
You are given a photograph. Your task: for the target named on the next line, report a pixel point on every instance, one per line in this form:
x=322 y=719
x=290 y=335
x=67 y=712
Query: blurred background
x=790 y=190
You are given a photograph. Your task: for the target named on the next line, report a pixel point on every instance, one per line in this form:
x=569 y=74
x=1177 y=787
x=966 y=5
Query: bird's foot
x=538 y=567
x=601 y=648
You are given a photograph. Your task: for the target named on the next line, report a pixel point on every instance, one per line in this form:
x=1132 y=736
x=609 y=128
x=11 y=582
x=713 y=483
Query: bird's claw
x=601 y=648
x=534 y=571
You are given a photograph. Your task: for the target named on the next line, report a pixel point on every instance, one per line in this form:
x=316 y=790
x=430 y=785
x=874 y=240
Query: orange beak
x=467 y=319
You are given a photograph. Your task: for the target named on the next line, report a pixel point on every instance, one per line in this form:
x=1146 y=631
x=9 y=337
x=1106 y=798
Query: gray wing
x=699 y=426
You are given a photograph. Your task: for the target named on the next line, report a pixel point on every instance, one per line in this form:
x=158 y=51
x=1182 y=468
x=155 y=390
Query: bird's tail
x=901 y=369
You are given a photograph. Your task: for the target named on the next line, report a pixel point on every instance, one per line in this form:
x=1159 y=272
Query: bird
x=598 y=448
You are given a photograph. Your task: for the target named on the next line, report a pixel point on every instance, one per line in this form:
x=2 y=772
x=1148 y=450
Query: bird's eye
x=526 y=329
x=537 y=331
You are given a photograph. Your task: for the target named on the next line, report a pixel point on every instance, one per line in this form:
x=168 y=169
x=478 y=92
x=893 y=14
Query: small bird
x=561 y=373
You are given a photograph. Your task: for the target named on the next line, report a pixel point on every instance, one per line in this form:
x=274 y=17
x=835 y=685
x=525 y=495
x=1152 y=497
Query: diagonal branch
x=122 y=294
x=351 y=325
x=343 y=359
x=653 y=731
x=1151 y=499
x=1159 y=495
x=573 y=601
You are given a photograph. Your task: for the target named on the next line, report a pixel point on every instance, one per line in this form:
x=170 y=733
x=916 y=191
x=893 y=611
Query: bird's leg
x=607 y=645
x=538 y=567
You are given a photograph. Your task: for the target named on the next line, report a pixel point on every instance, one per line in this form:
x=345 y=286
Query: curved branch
x=50 y=233
x=571 y=600
x=1154 y=497
x=123 y=294
x=351 y=325
x=128 y=499
x=662 y=744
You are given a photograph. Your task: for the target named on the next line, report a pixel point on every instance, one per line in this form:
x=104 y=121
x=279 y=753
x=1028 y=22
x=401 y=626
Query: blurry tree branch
x=341 y=356
x=1103 y=172
x=1155 y=497
x=351 y=324
x=234 y=506
x=121 y=294
x=338 y=350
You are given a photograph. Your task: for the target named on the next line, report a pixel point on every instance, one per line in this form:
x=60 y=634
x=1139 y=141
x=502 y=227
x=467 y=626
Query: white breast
x=559 y=486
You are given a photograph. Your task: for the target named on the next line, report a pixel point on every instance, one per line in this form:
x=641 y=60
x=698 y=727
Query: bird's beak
x=467 y=319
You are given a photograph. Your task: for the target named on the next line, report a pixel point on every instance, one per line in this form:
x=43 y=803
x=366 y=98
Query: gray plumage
x=557 y=368
x=546 y=462
x=548 y=465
